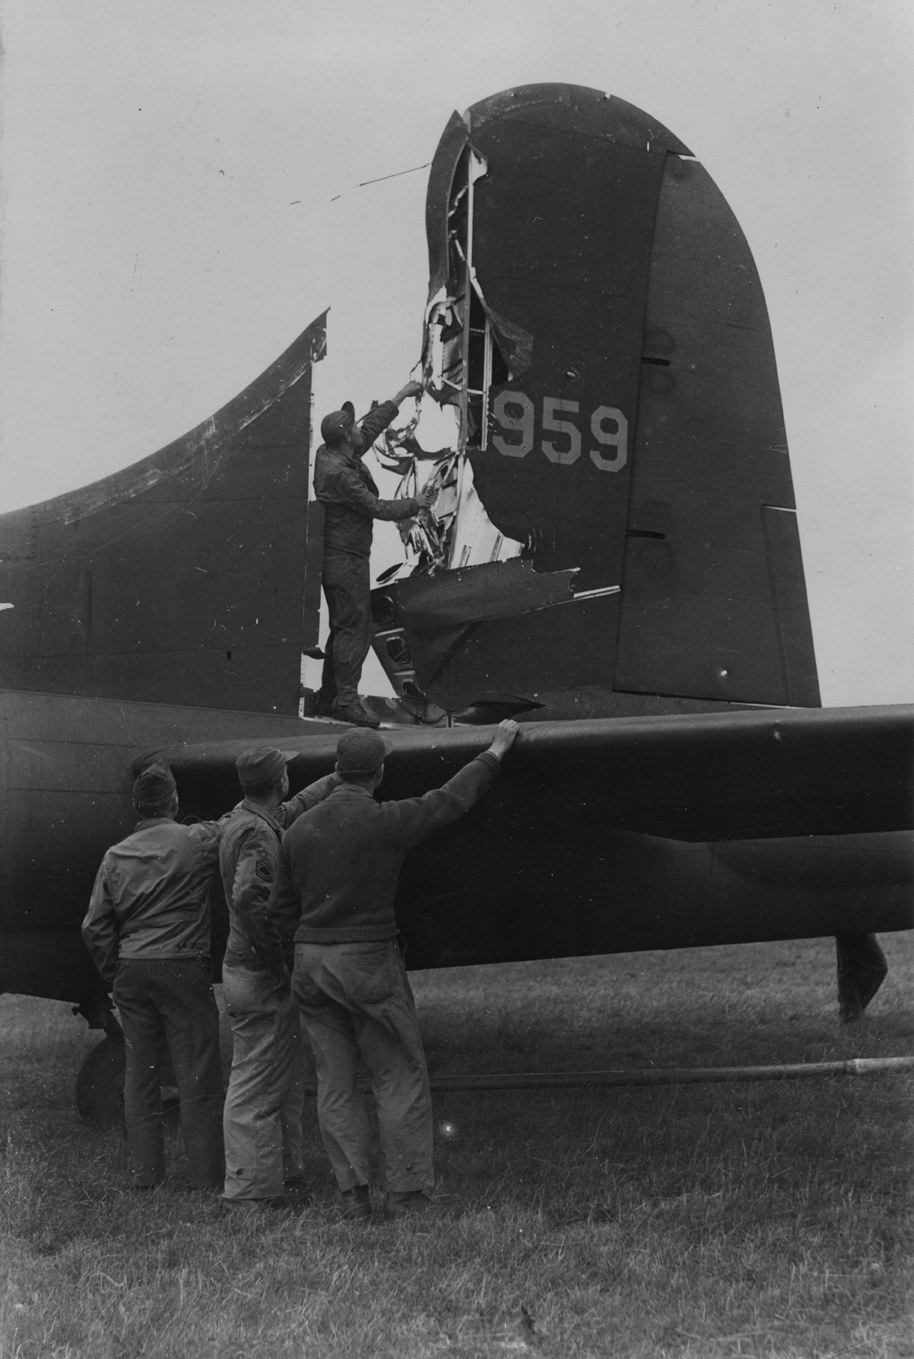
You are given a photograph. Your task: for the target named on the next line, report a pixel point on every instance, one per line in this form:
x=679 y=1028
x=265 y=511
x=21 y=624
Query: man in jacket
x=148 y=932
x=334 y=890
x=346 y=489
x=263 y=1106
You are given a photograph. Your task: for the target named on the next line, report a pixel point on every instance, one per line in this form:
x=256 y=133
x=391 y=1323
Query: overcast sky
x=181 y=198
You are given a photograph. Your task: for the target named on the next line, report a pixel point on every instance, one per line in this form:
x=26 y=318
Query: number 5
x=617 y=439
x=551 y=404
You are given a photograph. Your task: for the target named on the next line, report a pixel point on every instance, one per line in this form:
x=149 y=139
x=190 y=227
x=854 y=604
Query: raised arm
x=415 y=819
x=308 y=797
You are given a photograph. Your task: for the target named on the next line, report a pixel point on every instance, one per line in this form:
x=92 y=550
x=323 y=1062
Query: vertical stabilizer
x=596 y=319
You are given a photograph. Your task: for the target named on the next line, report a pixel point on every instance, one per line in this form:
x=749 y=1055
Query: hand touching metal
x=505 y=734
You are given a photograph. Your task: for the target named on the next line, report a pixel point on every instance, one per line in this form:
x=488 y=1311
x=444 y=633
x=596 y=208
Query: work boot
x=356 y=714
x=324 y=707
x=405 y=1203
x=355 y=1203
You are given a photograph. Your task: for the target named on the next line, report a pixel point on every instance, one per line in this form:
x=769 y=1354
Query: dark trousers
x=347 y=583
x=169 y=1005
x=861 y=971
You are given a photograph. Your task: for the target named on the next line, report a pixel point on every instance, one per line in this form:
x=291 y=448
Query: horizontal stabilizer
x=707 y=777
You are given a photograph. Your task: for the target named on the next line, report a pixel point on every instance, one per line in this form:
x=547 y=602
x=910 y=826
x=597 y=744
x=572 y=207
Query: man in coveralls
x=347 y=490
x=263 y=1107
x=148 y=931
x=334 y=889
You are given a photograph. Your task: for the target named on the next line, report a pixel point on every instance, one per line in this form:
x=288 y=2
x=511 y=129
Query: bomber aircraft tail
x=616 y=529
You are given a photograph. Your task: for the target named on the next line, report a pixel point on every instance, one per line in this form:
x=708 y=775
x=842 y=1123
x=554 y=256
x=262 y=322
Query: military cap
x=262 y=766
x=154 y=783
x=361 y=752
x=337 y=423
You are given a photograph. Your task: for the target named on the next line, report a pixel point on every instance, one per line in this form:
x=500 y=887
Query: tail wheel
x=100 y=1084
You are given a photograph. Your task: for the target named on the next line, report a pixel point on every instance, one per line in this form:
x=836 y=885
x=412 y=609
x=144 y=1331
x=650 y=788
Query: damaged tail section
x=597 y=331
x=463 y=354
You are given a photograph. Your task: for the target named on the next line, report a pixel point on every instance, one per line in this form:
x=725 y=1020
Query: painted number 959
x=514 y=412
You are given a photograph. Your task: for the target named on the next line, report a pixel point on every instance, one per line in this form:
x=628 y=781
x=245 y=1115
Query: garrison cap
x=337 y=423
x=261 y=766
x=361 y=752
x=154 y=784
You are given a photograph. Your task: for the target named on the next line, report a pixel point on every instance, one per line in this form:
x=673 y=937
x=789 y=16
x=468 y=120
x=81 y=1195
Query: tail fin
x=713 y=592
x=597 y=320
x=180 y=579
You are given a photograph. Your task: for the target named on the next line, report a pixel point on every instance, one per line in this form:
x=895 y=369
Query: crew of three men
x=318 y=872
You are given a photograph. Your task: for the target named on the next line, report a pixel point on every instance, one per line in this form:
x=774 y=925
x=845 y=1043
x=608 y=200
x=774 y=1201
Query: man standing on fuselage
x=346 y=489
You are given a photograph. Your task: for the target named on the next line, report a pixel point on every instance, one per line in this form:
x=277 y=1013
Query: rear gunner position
x=339 y=865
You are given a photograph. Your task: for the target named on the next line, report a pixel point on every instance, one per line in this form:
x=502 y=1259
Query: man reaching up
x=334 y=890
x=346 y=489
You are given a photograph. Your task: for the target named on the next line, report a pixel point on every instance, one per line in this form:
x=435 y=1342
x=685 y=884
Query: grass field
x=697 y=1221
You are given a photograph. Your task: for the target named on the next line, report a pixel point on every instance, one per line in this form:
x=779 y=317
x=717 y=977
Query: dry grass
x=769 y=1219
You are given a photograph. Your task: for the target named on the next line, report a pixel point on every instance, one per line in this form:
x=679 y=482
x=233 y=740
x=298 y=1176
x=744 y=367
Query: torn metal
x=466 y=347
x=420 y=626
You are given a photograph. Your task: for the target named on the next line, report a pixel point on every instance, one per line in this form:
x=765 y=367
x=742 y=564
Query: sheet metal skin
x=140 y=585
x=714 y=600
x=442 y=609
x=562 y=228
x=610 y=836
x=593 y=232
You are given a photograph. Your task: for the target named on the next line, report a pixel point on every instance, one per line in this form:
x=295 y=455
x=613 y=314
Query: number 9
x=617 y=439
x=522 y=423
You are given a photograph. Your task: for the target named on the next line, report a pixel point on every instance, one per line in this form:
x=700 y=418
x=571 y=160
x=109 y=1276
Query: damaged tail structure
x=615 y=531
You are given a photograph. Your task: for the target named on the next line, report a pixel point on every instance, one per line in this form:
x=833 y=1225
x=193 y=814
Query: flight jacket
x=347 y=490
x=150 y=900
x=339 y=863
x=248 y=858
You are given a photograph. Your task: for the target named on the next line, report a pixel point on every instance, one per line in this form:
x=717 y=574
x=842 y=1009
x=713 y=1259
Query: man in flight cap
x=347 y=490
x=148 y=932
x=263 y=1107
x=334 y=891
